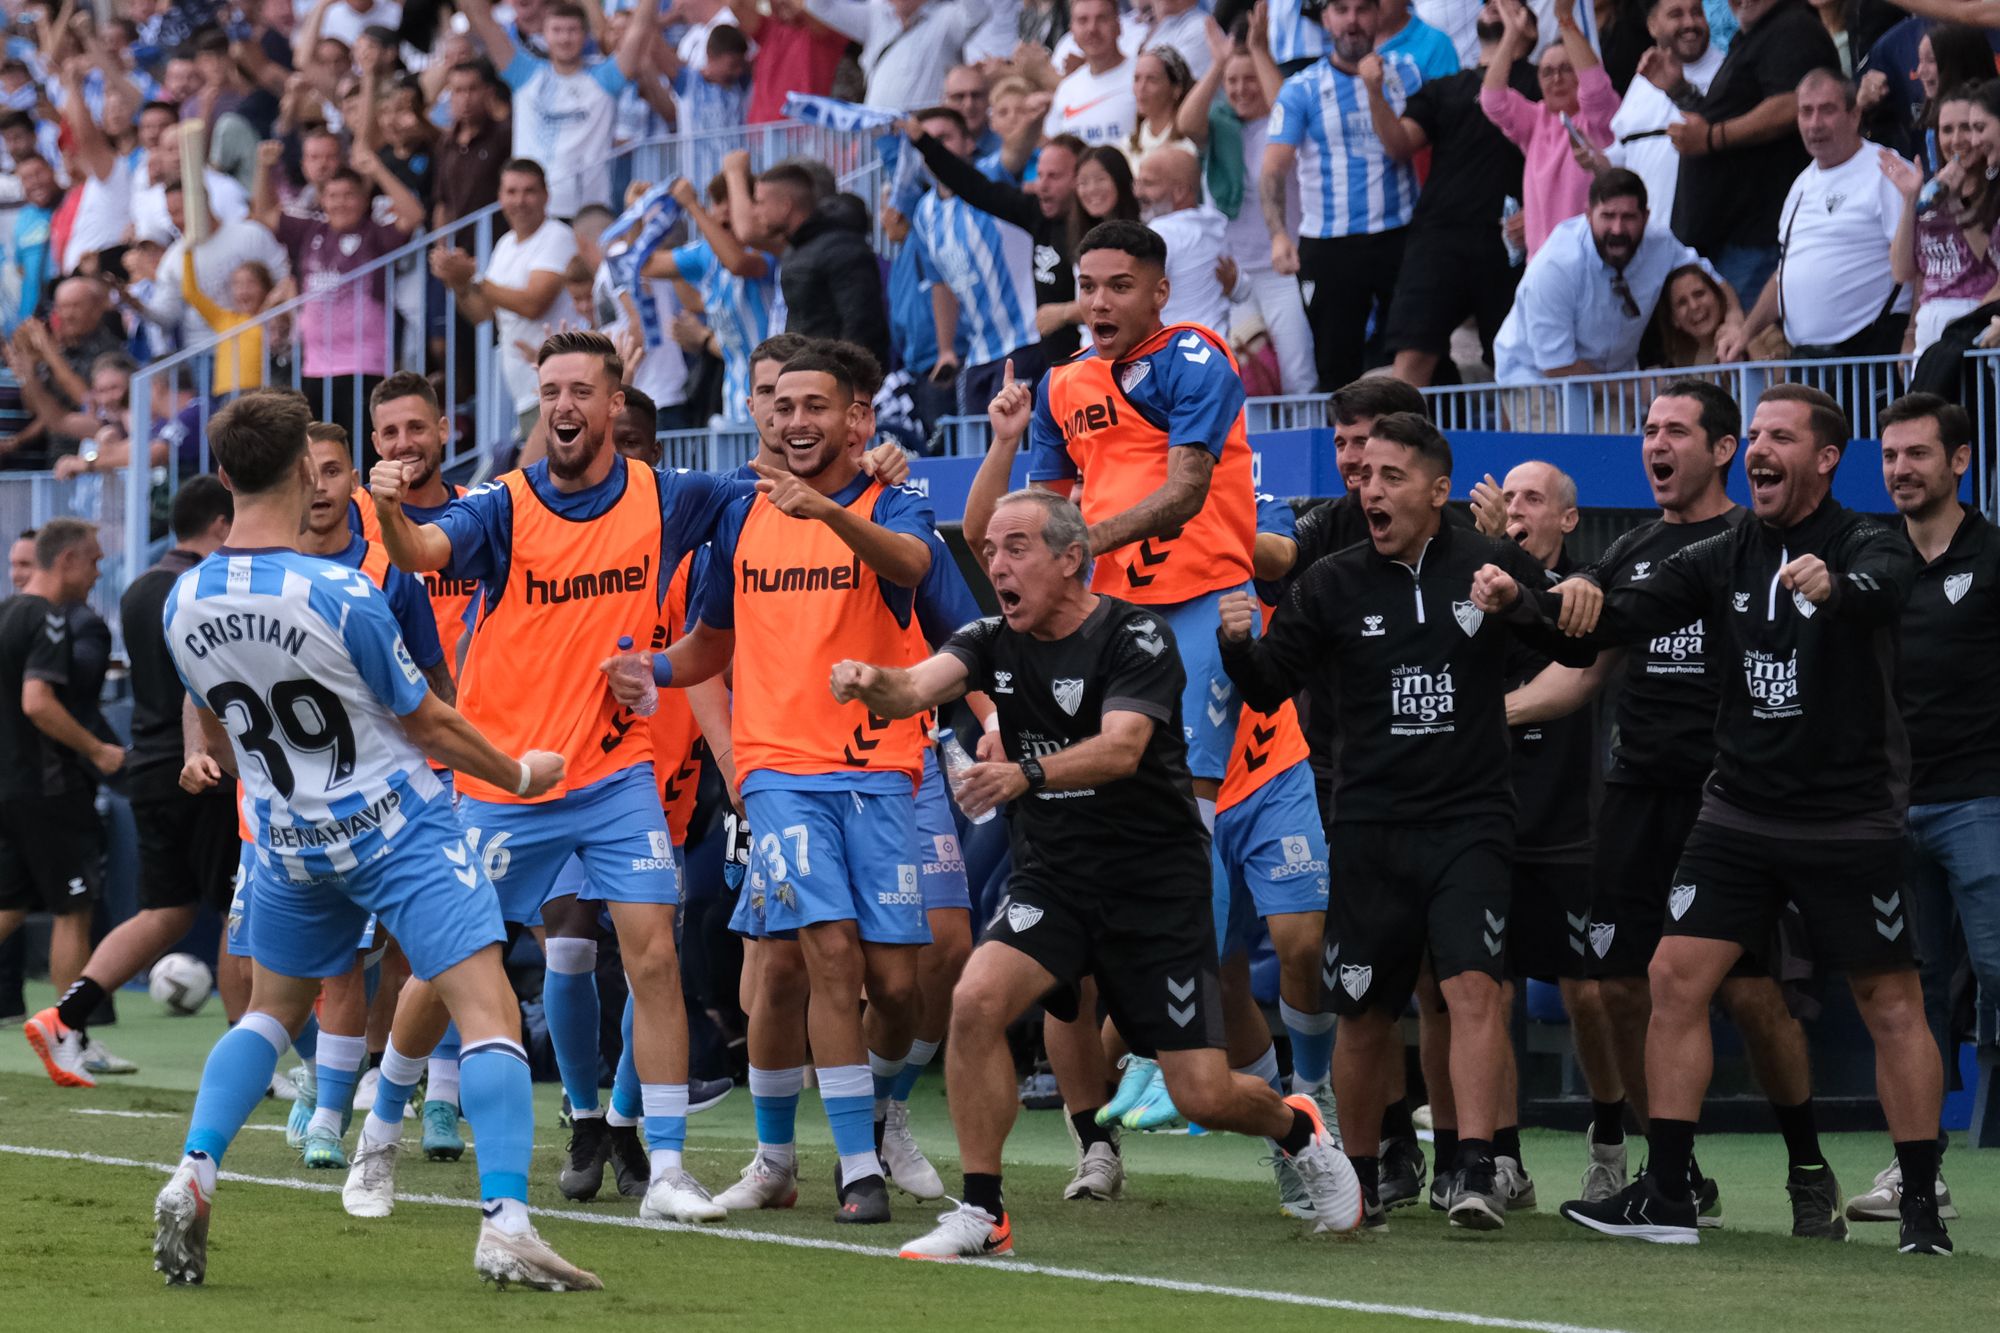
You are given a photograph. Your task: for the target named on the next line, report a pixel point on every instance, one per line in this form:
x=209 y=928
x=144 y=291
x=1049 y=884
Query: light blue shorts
x=844 y=855
x=940 y=862
x=615 y=827
x=238 y=935
x=1209 y=704
x=1271 y=857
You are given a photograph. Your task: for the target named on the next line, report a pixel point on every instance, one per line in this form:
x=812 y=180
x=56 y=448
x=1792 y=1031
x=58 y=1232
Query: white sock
x=442 y=1081
x=377 y=1130
x=325 y=1118
x=509 y=1215
x=666 y=1161
x=859 y=1166
x=885 y=1069
x=779 y=1154
x=1264 y=1067
x=611 y=1117
x=204 y=1170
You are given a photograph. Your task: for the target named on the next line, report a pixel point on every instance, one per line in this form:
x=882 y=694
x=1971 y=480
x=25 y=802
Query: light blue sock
x=625 y=1085
x=1312 y=1046
x=569 y=1003
x=774 y=1098
x=393 y=1090
x=921 y=1052
x=847 y=1093
x=234 y=1080
x=337 y=1065
x=882 y=1075
x=498 y=1097
x=307 y=1042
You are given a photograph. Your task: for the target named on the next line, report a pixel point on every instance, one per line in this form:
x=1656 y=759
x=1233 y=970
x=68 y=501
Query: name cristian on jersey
x=382 y=814
x=800 y=578
x=1420 y=701
x=243 y=627
x=581 y=587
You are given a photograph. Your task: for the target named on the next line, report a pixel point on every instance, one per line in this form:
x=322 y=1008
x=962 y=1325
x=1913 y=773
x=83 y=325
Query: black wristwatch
x=1031 y=769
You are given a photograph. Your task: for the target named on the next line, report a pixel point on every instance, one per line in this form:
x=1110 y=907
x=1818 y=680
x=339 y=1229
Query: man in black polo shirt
x=187 y=844
x=1951 y=639
x=50 y=763
x=1739 y=144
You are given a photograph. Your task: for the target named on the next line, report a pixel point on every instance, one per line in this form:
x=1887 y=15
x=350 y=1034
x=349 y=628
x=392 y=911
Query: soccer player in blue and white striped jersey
x=1358 y=195
x=305 y=689
x=987 y=267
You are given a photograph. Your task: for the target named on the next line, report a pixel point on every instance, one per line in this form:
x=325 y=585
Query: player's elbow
x=39 y=703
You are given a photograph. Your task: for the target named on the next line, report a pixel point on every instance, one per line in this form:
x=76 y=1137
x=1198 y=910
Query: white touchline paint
x=161 y=1115
x=1003 y=1265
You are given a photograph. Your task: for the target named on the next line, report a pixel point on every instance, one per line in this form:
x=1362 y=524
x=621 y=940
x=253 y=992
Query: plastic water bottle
x=1516 y=255
x=956 y=761
x=636 y=668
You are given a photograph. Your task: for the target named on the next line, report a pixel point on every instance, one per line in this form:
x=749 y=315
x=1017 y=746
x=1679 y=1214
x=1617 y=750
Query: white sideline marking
x=161 y=1115
x=876 y=1252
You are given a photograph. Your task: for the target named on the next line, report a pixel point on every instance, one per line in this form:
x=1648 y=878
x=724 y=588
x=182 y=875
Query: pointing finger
x=1007 y=375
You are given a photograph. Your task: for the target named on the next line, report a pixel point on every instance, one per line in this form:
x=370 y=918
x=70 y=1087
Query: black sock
x=1507 y=1142
x=375 y=1058
x=984 y=1192
x=79 y=1002
x=1475 y=1155
x=1607 y=1122
x=1396 y=1122
x=1299 y=1137
x=881 y=1124
x=1369 y=1171
x=1670 y=1157
x=1801 y=1134
x=1444 y=1151
x=1088 y=1131
x=1919 y=1160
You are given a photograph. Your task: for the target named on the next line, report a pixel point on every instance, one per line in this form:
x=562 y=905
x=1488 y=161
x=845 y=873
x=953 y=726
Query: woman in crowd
x=1950 y=55
x=1160 y=83
x=1685 y=322
x=1577 y=99
x=1942 y=246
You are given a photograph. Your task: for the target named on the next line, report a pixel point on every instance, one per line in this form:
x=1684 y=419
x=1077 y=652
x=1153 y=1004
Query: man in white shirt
x=151 y=221
x=1095 y=102
x=1169 y=188
x=522 y=290
x=105 y=181
x=907 y=46
x=702 y=17
x=1588 y=294
x=230 y=244
x=1680 y=35
x=344 y=19
x=1833 y=291
x=564 y=109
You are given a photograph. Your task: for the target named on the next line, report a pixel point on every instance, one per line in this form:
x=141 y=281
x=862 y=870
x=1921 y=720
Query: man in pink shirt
x=1577 y=97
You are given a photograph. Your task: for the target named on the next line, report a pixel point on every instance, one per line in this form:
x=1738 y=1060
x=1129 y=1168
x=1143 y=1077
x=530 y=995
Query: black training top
x=1551 y=765
x=153 y=768
x=1140 y=836
x=1946 y=682
x=37 y=642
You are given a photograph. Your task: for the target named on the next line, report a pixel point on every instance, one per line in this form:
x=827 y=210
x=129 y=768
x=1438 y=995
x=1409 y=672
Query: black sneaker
x=1402 y=1172
x=706 y=1092
x=589 y=1147
x=1640 y=1212
x=865 y=1201
x=1707 y=1200
x=1817 y=1211
x=1374 y=1214
x=1923 y=1231
x=1441 y=1187
x=630 y=1163
x=1477 y=1203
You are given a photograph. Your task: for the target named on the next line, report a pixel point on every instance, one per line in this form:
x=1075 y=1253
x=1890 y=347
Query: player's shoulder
x=1132 y=629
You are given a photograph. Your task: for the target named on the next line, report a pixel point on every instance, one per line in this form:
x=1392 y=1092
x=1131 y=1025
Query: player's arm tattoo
x=1168 y=509
x=1271 y=193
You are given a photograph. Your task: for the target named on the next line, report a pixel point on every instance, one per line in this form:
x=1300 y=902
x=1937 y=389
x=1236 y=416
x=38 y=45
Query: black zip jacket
x=832 y=280
x=1808 y=727
x=1416 y=672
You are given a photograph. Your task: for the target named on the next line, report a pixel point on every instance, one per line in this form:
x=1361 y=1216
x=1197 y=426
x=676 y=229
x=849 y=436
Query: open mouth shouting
x=1767 y=483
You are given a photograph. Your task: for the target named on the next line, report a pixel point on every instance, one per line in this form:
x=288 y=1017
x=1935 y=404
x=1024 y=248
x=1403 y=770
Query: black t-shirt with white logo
x=36 y=643
x=1666 y=710
x=1128 y=838
x=1552 y=780
x=1945 y=682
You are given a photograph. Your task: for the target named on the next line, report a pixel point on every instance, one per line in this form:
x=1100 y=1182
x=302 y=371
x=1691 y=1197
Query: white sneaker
x=1516 y=1186
x=1327 y=1175
x=1293 y=1201
x=503 y=1257
x=907 y=1167
x=1607 y=1174
x=180 y=1228
x=60 y=1049
x=281 y=1089
x=1100 y=1174
x=680 y=1198
x=764 y=1184
x=364 y=1090
x=370 y=1190
x=98 y=1060
x=1884 y=1202
x=1329 y=1110
x=963 y=1233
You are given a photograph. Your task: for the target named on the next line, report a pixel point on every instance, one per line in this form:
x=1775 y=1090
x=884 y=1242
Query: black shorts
x=188 y=849
x=1733 y=886
x=1547 y=926
x=51 y=853
x=1641 y=831
x=1404 y=892
x=1450 y=275
x=1153 y=957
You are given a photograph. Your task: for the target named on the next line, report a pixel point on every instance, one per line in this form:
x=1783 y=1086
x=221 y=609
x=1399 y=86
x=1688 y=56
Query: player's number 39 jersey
x=301 y=660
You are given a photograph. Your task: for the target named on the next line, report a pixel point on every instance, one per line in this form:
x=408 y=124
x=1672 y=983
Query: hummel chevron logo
x=1887 y=931
x=1326 y=973
x=1217 y=716
x=1147 y=557
x=1195 y=340
x=1887 y=906
x=1180 y=990
x=864 y=740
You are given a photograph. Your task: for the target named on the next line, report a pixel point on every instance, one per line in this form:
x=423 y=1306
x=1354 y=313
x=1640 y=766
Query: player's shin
x=233 y=1081
x=570 y=1003
x=498 y=1096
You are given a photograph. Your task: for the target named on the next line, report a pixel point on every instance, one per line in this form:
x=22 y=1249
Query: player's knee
x=1892 y=1002
x=895 y=993
x=653 y=963
x=979 y=1011
x=1472 y=998
x=1677 y=985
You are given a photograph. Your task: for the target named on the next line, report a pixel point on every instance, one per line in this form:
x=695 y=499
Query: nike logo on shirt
x=1070 y=112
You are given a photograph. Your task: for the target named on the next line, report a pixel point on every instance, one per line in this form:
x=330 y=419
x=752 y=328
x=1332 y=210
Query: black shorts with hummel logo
x=1406 y=892
x=1153 y=956
x=1732 y=885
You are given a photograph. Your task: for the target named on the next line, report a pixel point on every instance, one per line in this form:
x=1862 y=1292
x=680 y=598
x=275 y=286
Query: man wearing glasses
x=1588 y=294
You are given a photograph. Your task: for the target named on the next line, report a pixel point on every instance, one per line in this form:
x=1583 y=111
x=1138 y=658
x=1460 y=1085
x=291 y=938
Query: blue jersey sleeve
x=711 y=589
x=606 y=75
x=522 y=69
x=692 y=507
x=1291 y=112
x=1194 y=390
x=902 y=509
x=1276 y=517
x=1048 y=455
x=944 y=602
x=412 y=609
x=695 y=260
x=368 y=628
x=480 y=524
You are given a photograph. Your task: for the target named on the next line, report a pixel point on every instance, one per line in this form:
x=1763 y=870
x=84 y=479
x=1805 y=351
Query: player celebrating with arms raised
x=299 y=673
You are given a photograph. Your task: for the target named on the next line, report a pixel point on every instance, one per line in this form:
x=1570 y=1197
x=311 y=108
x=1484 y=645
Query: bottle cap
x=625 y=642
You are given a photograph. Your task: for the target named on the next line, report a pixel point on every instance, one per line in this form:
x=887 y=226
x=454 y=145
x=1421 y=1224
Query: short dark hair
x=258 y=439
x=480 y=66
x=862 y=367
x=793 y=179
x=1374 y=396
x=211 y=42
x=1720 y=414
x=567 y=9
x=1617 y=183
x=167 y=107
x=582 y=342
x=816 y=362
x=1133 y=238
x=58 y=536
x=1954 y=426
x=1069 y=143
x=640 y=404
x=525 y=166
x=1415 y=433
x=328 y=432
x=16 y=120
x=197 y=504
x=942 y=113
x=403 y=384
x=727 y=39
x=779 y=347
x=347 y=175
x=1826 y=418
